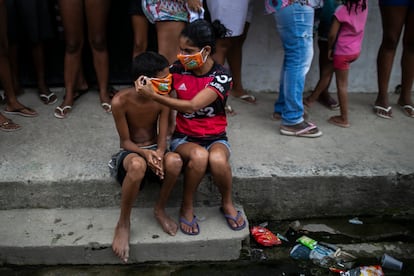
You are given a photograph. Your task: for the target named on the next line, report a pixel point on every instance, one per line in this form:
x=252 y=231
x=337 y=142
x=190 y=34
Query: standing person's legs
x=220 y=168
x=296 y=35
x=172 y=166
x=72 y=19
x=195 y=160
x=393 y=19
x=140 y=29
x=321 y=91
x=342 y=87
x=13 y=106
x=168 y=33
x=135 y=167
x=407 y=65
x=97 y=17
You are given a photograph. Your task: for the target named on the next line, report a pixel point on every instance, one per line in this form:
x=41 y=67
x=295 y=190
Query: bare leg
x=140 y=29
x=393 y=18
x=168 y=33
x=135 y=167
x=325 y=77
x=195 y=159
x=221 y=172
x=342 y=87
x=172 y=165
x=407 y=64
x=6 y=77
x=72 y=19
x=97 y=17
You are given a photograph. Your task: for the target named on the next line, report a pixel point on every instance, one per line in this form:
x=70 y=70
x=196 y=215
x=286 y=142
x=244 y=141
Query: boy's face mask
x=192 y=62
x=162 y=86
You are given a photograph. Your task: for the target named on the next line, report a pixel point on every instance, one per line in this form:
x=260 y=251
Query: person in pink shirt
x=344 y=46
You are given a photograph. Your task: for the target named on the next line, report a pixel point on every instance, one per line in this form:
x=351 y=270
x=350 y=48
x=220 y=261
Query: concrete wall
x=263 y=56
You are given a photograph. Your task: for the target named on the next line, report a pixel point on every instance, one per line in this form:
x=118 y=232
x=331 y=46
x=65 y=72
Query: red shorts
x=342 y=62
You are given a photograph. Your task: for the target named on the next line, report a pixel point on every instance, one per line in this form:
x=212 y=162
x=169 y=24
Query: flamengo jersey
x=210 y=120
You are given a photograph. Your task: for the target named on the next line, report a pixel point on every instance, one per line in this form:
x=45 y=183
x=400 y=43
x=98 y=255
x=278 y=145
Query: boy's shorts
x=342 y=62
x=117 y=170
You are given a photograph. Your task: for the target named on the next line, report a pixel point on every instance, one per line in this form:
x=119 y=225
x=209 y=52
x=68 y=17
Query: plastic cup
x=389 y=262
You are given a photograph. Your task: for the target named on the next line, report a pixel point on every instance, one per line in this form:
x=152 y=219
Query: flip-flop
x=234 y=219
x=246 y=98
x=50 y=98
x=107 y=107
x=408 y=110
x=9 y=126
x=19 y=111
x=190 y=224
x=329 y=103
x=307 y=132
x=60 y=111
x=229 y=110
x=383 y=112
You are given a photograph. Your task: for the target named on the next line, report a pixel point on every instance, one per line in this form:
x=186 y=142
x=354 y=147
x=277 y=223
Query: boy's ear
x=208 y=49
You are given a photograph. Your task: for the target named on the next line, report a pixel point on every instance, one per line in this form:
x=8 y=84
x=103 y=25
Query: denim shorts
x=175 y=142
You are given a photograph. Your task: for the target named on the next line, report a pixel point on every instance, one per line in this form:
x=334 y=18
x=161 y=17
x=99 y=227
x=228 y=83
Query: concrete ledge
x=84 y=236
x=366 y=169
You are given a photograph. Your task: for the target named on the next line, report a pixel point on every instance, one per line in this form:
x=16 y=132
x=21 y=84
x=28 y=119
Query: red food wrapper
x=264 y=236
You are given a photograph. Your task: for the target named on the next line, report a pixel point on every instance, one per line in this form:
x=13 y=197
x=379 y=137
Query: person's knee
x=390 y=42
x=173 y=163
x=198 y=159
x=98 y=43
x=136 y=168
x=73 y=47
x=218 y=160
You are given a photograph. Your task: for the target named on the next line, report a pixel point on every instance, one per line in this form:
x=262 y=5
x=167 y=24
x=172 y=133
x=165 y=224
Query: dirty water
x=259 y=260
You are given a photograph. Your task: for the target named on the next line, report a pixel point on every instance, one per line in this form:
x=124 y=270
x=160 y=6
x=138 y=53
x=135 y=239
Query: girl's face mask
x=192 y=62
x=162 y=86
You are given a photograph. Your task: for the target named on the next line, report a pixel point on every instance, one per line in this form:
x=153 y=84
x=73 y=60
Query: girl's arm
x=202 y=99
x=333 y=33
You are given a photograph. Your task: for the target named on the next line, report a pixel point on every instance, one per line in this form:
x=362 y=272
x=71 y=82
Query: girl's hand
x=195 y=5
x=143 y=86
x=330 y=54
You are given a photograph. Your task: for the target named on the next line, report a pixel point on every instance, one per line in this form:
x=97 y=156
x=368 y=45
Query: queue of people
x=174 y=119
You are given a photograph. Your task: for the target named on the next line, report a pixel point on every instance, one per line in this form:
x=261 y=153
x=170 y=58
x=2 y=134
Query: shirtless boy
x=142 y=127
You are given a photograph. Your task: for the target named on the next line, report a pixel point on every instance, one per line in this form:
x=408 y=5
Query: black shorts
x=117 y=170
x=135 y=7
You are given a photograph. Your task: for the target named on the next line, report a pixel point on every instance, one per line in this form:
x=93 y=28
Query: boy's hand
x=155 y=162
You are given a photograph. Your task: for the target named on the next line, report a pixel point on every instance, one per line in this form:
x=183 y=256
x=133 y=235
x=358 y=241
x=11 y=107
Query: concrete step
x=84 y=236
x=360 y=170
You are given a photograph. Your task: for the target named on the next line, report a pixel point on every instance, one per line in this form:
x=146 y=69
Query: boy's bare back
x=136 y=116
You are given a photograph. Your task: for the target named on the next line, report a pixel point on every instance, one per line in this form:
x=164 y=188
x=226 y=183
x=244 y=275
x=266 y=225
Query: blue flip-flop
x=235 y=219
x=190 y=224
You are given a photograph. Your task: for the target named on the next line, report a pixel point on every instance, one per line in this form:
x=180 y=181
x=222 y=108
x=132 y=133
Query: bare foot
x=120 y=244
x=339 y=121
x=168 y=225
